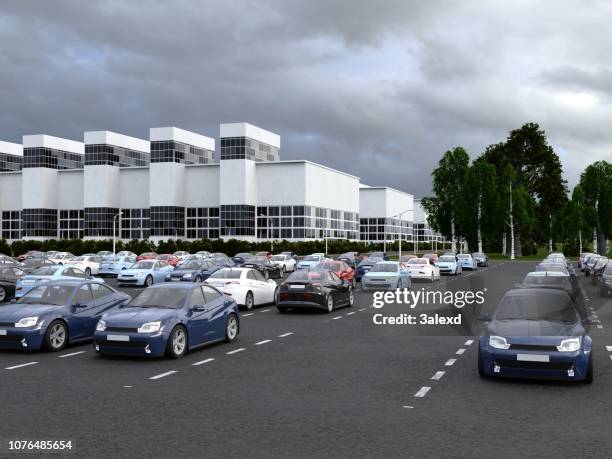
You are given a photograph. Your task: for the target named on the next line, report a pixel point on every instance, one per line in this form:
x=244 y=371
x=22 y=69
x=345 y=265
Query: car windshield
x=418 y=261
x=143 y=265
x=45 y=271
x=226 y=274
x=536 y=306
x=191 y=264
x=447 y=259
x=547 y=281
x=306 y=276
x=311 y=258
x=278 y=258
x=55 y=295
x=478 y=254
x=171 y=298
x=384 y=268
x=243 y=255
x=34 y=262
x=463 y=255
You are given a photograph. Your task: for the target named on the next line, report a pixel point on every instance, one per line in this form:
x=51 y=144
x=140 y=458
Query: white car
x=61 y=257
x=89 y=264
x=245 y=285
x=421 y=268
x=286 y=262
x=181 y=254
x=126 y=253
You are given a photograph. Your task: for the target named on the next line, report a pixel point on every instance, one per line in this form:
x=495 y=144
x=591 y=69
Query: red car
x=169 y=258
x=146 y=256
x=344 y=271
x=30 y=254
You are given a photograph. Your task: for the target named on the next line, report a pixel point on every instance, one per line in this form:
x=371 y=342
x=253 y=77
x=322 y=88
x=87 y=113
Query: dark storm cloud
x=379 y=89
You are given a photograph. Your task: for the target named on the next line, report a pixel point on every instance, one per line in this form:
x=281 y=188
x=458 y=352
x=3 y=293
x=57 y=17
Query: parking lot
x=311 y=383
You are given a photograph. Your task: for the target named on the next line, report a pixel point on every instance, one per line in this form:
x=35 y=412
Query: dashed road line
x=450 y=362
x=362 y=309
x=460 y=351
x=438 y=375
x=202 y=362
x=285 y=334
x=599 y=326
x=14 y=367
x=422 y=392
x=609 y=348
x=246 y=315
x=163 y=375
x=263 y=342
x=71 y=354
x=469 y=342
x=235 y=351
x=350 y=313
x=337 y=317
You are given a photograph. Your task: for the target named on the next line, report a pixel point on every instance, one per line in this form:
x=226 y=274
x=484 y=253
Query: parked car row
x=599 y=269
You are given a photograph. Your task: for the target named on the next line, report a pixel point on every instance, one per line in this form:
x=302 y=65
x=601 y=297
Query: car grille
x=7 y=324
x=533 y=347
x=124 y=344
x=10 y=338
x=123 y=279
x=518 y=364
x=121 y=329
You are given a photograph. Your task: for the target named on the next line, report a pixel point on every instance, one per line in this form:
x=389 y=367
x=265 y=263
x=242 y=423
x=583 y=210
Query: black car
x=598 y=269
x=32 y=264
x=265 y=267
x=192 y=271
x=8 y=280
x=554 y=280
x=315 y=288
x=605 y=281
x=350 y=258
x=241 y=258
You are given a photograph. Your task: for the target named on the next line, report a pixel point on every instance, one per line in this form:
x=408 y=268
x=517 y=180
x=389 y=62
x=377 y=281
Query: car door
x=215 y=302
x=338 y=291
x=250 y=281
x=81 y=313
x=104 y=299
x=198 y=321
x=263 y=288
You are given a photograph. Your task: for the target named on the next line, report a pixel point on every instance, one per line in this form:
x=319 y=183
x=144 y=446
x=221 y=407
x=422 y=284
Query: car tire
x=351 y=301
x=353 y=283
x=197 y=279
x=432 y=278
x=400 y=284
x=177 y=343
x=281 y=309
x=266 y=274
x=481 y=371
x=282 y=272
x=231 y=328
x=88 y=271
x=276 y=295
x=330 y=304
x=148 y=281
x=588 y=379
x=249 y=301
x=2 y=294
x=56 y=336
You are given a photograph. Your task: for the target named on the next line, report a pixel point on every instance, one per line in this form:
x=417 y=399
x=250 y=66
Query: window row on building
x=177 y=152
x=111 y=155
x=51 y=158
x=245 y=148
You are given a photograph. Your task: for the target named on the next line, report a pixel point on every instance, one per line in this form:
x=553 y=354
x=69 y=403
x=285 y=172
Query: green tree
x=596 y=182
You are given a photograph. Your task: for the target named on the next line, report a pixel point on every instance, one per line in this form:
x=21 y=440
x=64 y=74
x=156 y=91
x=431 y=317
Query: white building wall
x=238 y=182
x=10 y=191
x=39 y=188
x=384 y=202
x=202 y=186
x=70 y=189
x=15 y=149
x=167 y=184
x=134 y=185
x=281 y=183
x=332 y=189
x=250 y=131
x=162 y=134
x=101 y=186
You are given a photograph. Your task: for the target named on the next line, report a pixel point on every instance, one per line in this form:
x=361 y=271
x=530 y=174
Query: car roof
x=521 y=292
x=176 y=285
x=547 y=274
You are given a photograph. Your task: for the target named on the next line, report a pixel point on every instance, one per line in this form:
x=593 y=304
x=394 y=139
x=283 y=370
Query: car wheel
x=330 y=303
x=281 y=309
x=88 y=271
x=2 y=294
x=231 y=328
x=249 y=302
x=400 y=285
x=197 y=280
x=481 y=371
x=276 y=295
x=432 y=278
x=589 y=373
x=56 y=336
x=148 y=281
x=353 y=283
x=266 y=274
x=177 y=343
x=282 y=272
x=351 y=298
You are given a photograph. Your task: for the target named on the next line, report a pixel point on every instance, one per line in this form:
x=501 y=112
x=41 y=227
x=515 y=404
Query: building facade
x=173 y=186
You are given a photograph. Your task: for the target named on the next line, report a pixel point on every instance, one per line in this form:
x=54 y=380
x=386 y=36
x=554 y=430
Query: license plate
x=175 y=279
x=297 y=286
x=533 y=358
x=117 y=338
x=3 y=332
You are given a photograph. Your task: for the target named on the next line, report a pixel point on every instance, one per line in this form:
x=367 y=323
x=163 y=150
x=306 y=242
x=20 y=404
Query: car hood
x=180 y=272
x=35 y=278
x=134 y=271
x=126 y=317
x=14 y=312
x=534 y=328
x=445 y=264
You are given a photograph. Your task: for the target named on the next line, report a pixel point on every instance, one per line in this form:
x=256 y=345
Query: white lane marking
x=450 y=362
x=362 y=309
x=438 y=375
x=163 y=375
x=460 y=351
x=422 y=391
x=128 y=387
x=264 y=310
x=337 y=317
x=71 y=354
x=599 y=326
x=469 y=342
x=246 y=315
x=408 y=406
x=235 y=351
x=285 y=334
x=202 y=362
x=263 y=342
x=350 y=313
x=14 y=367
x=609 y=348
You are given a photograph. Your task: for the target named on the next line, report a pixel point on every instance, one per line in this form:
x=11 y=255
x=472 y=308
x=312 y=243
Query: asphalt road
x=313 y=384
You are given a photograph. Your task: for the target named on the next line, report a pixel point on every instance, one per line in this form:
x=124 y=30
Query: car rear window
x=226 y=274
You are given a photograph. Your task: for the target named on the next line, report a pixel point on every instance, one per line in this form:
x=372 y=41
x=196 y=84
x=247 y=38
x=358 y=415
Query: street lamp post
x=400 y=234
x=114 y=226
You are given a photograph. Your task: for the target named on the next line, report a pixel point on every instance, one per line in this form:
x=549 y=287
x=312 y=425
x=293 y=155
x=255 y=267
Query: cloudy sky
x=376 y=88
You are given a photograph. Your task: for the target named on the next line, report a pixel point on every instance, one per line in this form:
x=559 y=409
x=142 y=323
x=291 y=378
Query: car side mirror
x=485 y=318
x=80 y=305
x=198 y=308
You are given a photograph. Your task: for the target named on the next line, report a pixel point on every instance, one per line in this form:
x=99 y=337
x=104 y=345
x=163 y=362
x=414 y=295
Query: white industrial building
x=173 y=186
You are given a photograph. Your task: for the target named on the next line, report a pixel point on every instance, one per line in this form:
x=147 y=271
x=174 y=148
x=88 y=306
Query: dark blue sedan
x=536 y=333
x=168 y=319
x=56 y=313
x=192 y=271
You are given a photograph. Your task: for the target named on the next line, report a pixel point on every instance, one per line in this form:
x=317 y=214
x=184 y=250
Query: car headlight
x=498 y=342
x=101 y=325
x=27 y=322
x=187 y=276
x=150 y=327
x=569 y=345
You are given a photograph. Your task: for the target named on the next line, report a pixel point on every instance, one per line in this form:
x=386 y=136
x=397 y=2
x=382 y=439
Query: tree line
x=513 y=199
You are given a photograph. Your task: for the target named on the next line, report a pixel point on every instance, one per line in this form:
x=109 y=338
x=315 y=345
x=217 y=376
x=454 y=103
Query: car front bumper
x=130 y=280
x=22 y=338
x=137 y=344
x=387 y=284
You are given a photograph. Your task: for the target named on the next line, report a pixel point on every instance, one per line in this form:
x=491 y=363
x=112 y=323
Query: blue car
x=168 y=319
x=241 y=258
x=309 y=262
x=364 y=266
x=56 y=313
x=536 y=333
x=448 y=264
x=113 y=265
x=192 y=271
x=145 y=273
x=386 y=275
x=467 y=261
x=47 y=274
